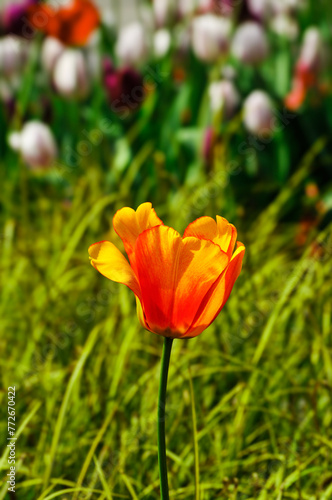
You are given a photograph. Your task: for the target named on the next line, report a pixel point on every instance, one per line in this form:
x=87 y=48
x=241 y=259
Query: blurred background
x=202 y=108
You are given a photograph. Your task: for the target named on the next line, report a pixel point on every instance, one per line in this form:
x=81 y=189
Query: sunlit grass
x=87 y=375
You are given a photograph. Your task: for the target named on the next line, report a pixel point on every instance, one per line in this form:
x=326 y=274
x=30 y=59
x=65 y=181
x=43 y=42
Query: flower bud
x=12 y=55
x=71 y=77
x=188 y=7
x=311 y=55
x=14 y=15
x=224 y=96
x=124 y=88
x=132 y=46
x=163 y=10
x=287 y=6
x=259 y=8
x=35 y=143
x=250 y=44
x=161 y=42
x=210 y=37
x=51 y=50
x=209 y=140
x=258 y=113
x=285 y=25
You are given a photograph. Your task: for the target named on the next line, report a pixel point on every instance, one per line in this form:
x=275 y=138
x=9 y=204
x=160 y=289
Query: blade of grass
x=76 y=373
x=195 y=438
x=102 y=479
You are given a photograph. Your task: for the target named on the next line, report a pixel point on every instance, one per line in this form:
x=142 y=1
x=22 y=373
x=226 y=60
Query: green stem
x=164 y=495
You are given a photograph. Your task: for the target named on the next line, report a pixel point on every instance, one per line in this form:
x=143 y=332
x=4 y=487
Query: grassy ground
x=86 y=374
x=249 y=412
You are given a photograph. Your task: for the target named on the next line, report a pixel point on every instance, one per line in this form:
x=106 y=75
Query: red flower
x=72 y=24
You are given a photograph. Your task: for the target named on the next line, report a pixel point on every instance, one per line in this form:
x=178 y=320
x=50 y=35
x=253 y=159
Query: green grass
x=86 y=374
x=249 y=407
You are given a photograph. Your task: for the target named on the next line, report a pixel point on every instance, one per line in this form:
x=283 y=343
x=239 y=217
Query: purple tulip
x=13 y=18
x=124 y=87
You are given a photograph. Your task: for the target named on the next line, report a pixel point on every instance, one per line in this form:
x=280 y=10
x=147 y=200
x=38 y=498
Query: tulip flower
x=188 y=7
x=250 y=44
x=124 y=88
x=161 y=42
x=180 y=283
x=209 y=140
x=224 y=96
x=52 y=48
x=12 y=55
x=210 y=37
x=287 y=5
x=259 y=8
x=285 y=25
x=13 y=17
x=258 y=113
x=133 y=44
x=307 y=68
x=163 y=10
x=72 y=24
x=35 y=143
x=70 y=75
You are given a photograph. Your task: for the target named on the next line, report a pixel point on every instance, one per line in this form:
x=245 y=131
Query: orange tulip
x=181 y=283
x=71 y=24
x=304 y=80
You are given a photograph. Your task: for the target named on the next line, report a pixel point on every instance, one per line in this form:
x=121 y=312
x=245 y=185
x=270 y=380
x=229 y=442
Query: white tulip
x=52 y=48
x=163 y=11
x=12 y=54
x=284 y=6
x=258 y=113
x=35 y=143
x=259 y=8
x=224 y=96
x=250 y=43
x=161 y=42
x=285 y=25
x=311 y=55
x=186 y=7
x=132 y=45
x=210 y=36
x=70 y=76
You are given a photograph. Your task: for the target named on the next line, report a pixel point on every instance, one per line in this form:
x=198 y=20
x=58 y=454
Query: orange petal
x=129 y=224
x=72 y=24
x=156 y=253
x=218 y=295
x=140 y=314
x=110 y=262
x=221 y=232
x=175 y=275
x=78 y=22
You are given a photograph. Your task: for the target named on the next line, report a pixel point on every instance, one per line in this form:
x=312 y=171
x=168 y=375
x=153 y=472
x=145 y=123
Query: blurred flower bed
x=208 y=83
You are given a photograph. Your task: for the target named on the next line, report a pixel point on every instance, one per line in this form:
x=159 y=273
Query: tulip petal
x=110 y=262
x=73 y=24
x=201 y=263
x=218 y=295
x=156 y=253
x=129 y=224
x=140 y=314
x=175 y=275
x=221 y=232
